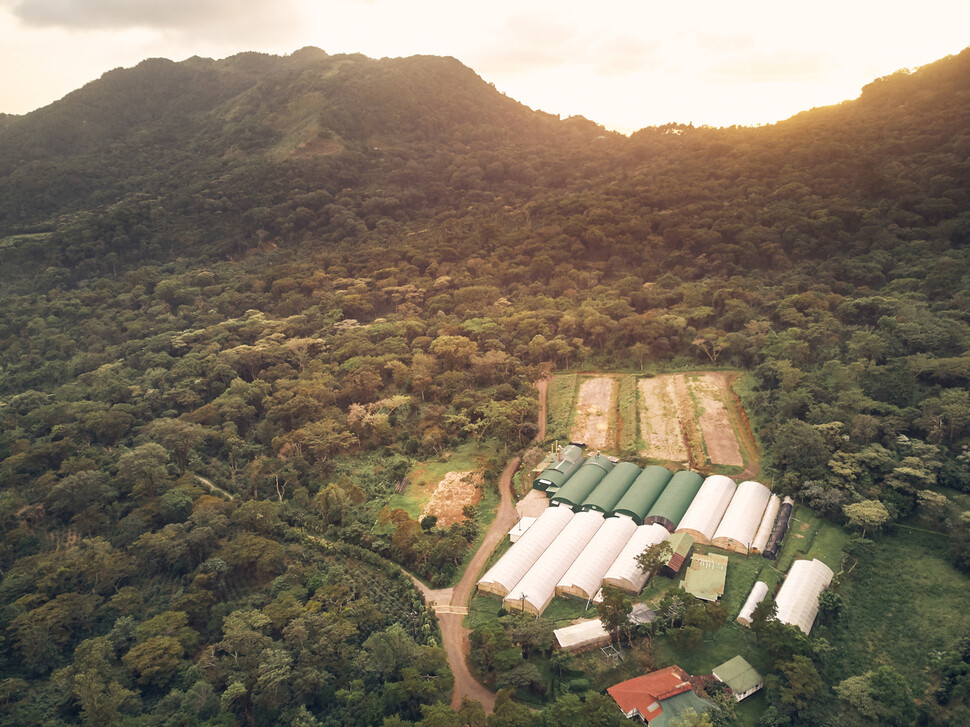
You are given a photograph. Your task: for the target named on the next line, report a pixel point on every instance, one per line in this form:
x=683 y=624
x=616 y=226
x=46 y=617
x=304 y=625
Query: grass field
x=902 y=604
x=627 y=403
x=560 y=405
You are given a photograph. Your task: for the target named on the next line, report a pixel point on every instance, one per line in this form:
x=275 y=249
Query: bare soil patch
x=715 y=423
x=595 y=408
x=660 y=420
x=452 y=493
x=533 y=504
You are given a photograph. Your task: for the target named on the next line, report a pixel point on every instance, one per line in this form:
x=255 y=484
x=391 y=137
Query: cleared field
x=685 y=418
x=660 y=427
x=711 y=392
x=595 y=410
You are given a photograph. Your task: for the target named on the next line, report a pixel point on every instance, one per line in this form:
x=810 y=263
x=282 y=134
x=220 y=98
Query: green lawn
x=628 y=403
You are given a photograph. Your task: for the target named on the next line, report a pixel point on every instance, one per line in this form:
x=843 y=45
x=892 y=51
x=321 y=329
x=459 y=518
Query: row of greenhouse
x=604 y=513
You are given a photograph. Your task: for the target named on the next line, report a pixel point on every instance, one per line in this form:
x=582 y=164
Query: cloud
x=163 y=15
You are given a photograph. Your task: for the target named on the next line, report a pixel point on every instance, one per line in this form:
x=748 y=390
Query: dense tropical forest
x=241 y=298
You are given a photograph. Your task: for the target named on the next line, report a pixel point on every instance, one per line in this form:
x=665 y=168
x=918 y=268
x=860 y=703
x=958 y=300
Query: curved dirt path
x=451 y=604
x=453 y=633
x=212 y=487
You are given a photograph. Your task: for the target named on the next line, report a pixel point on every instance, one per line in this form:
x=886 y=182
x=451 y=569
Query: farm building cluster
x=604 y=513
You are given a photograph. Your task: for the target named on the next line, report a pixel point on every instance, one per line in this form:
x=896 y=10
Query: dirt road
x=451 y=604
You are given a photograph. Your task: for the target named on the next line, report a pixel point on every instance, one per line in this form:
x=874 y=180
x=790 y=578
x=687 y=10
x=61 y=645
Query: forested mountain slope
x=294 y=276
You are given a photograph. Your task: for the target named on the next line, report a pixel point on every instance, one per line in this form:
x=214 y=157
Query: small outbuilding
x=742 y=678
x=706 y=576
x=520 y=528
x=680 y=547
x=581 y=637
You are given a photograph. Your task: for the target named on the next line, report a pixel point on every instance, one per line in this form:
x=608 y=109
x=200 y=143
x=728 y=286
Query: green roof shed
x=643 y=493
x=568 y=460
x=580 y=485
x=675 y=499
x=612 y=487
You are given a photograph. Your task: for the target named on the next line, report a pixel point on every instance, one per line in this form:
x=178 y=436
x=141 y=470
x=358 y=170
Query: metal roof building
x=537 y=587
x=612 y=487
x=643 y=493
x=583 y=636
x=624 y=572
x=757 y=595
x=583 y=482
x=740 y=676
x=681 y=545
x=568 y=460
x=675 y=500
x=585 y=575
x=767 y=523
x=798 y=598
x=707 y=508
x=742 y=518
x=706 y=576
x=525 y=552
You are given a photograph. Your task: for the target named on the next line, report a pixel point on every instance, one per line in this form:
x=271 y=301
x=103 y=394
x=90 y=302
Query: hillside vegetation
x=295 y=277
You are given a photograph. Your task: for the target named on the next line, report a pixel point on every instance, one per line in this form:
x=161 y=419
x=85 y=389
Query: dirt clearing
x=595 y=408
x=660 y=420
x=722 y=445
x=452 y=493
x=687 y=419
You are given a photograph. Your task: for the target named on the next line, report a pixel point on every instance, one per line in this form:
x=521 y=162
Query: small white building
x=624 y=573
x=740 y=676
x=767 y=525
x=519 y=529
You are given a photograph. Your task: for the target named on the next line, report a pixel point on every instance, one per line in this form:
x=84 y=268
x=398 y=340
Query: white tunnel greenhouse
x=742 y=518
x=798 y=598
x=624 y=572
x=756 y=596
x=525 y=552
x=707 y=508
x=767 y=524
x=538 y=586
x=585 y=575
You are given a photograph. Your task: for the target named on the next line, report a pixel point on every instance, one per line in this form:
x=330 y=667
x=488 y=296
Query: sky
x=625 y=64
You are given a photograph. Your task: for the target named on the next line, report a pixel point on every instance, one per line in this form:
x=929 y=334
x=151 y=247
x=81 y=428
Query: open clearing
x=452 y=493
x=595 y=410
x=712 y=392
x=686 y=420
x=660 y=420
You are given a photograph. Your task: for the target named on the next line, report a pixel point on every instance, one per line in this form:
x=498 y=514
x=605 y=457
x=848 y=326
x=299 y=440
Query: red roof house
x=641 y=697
